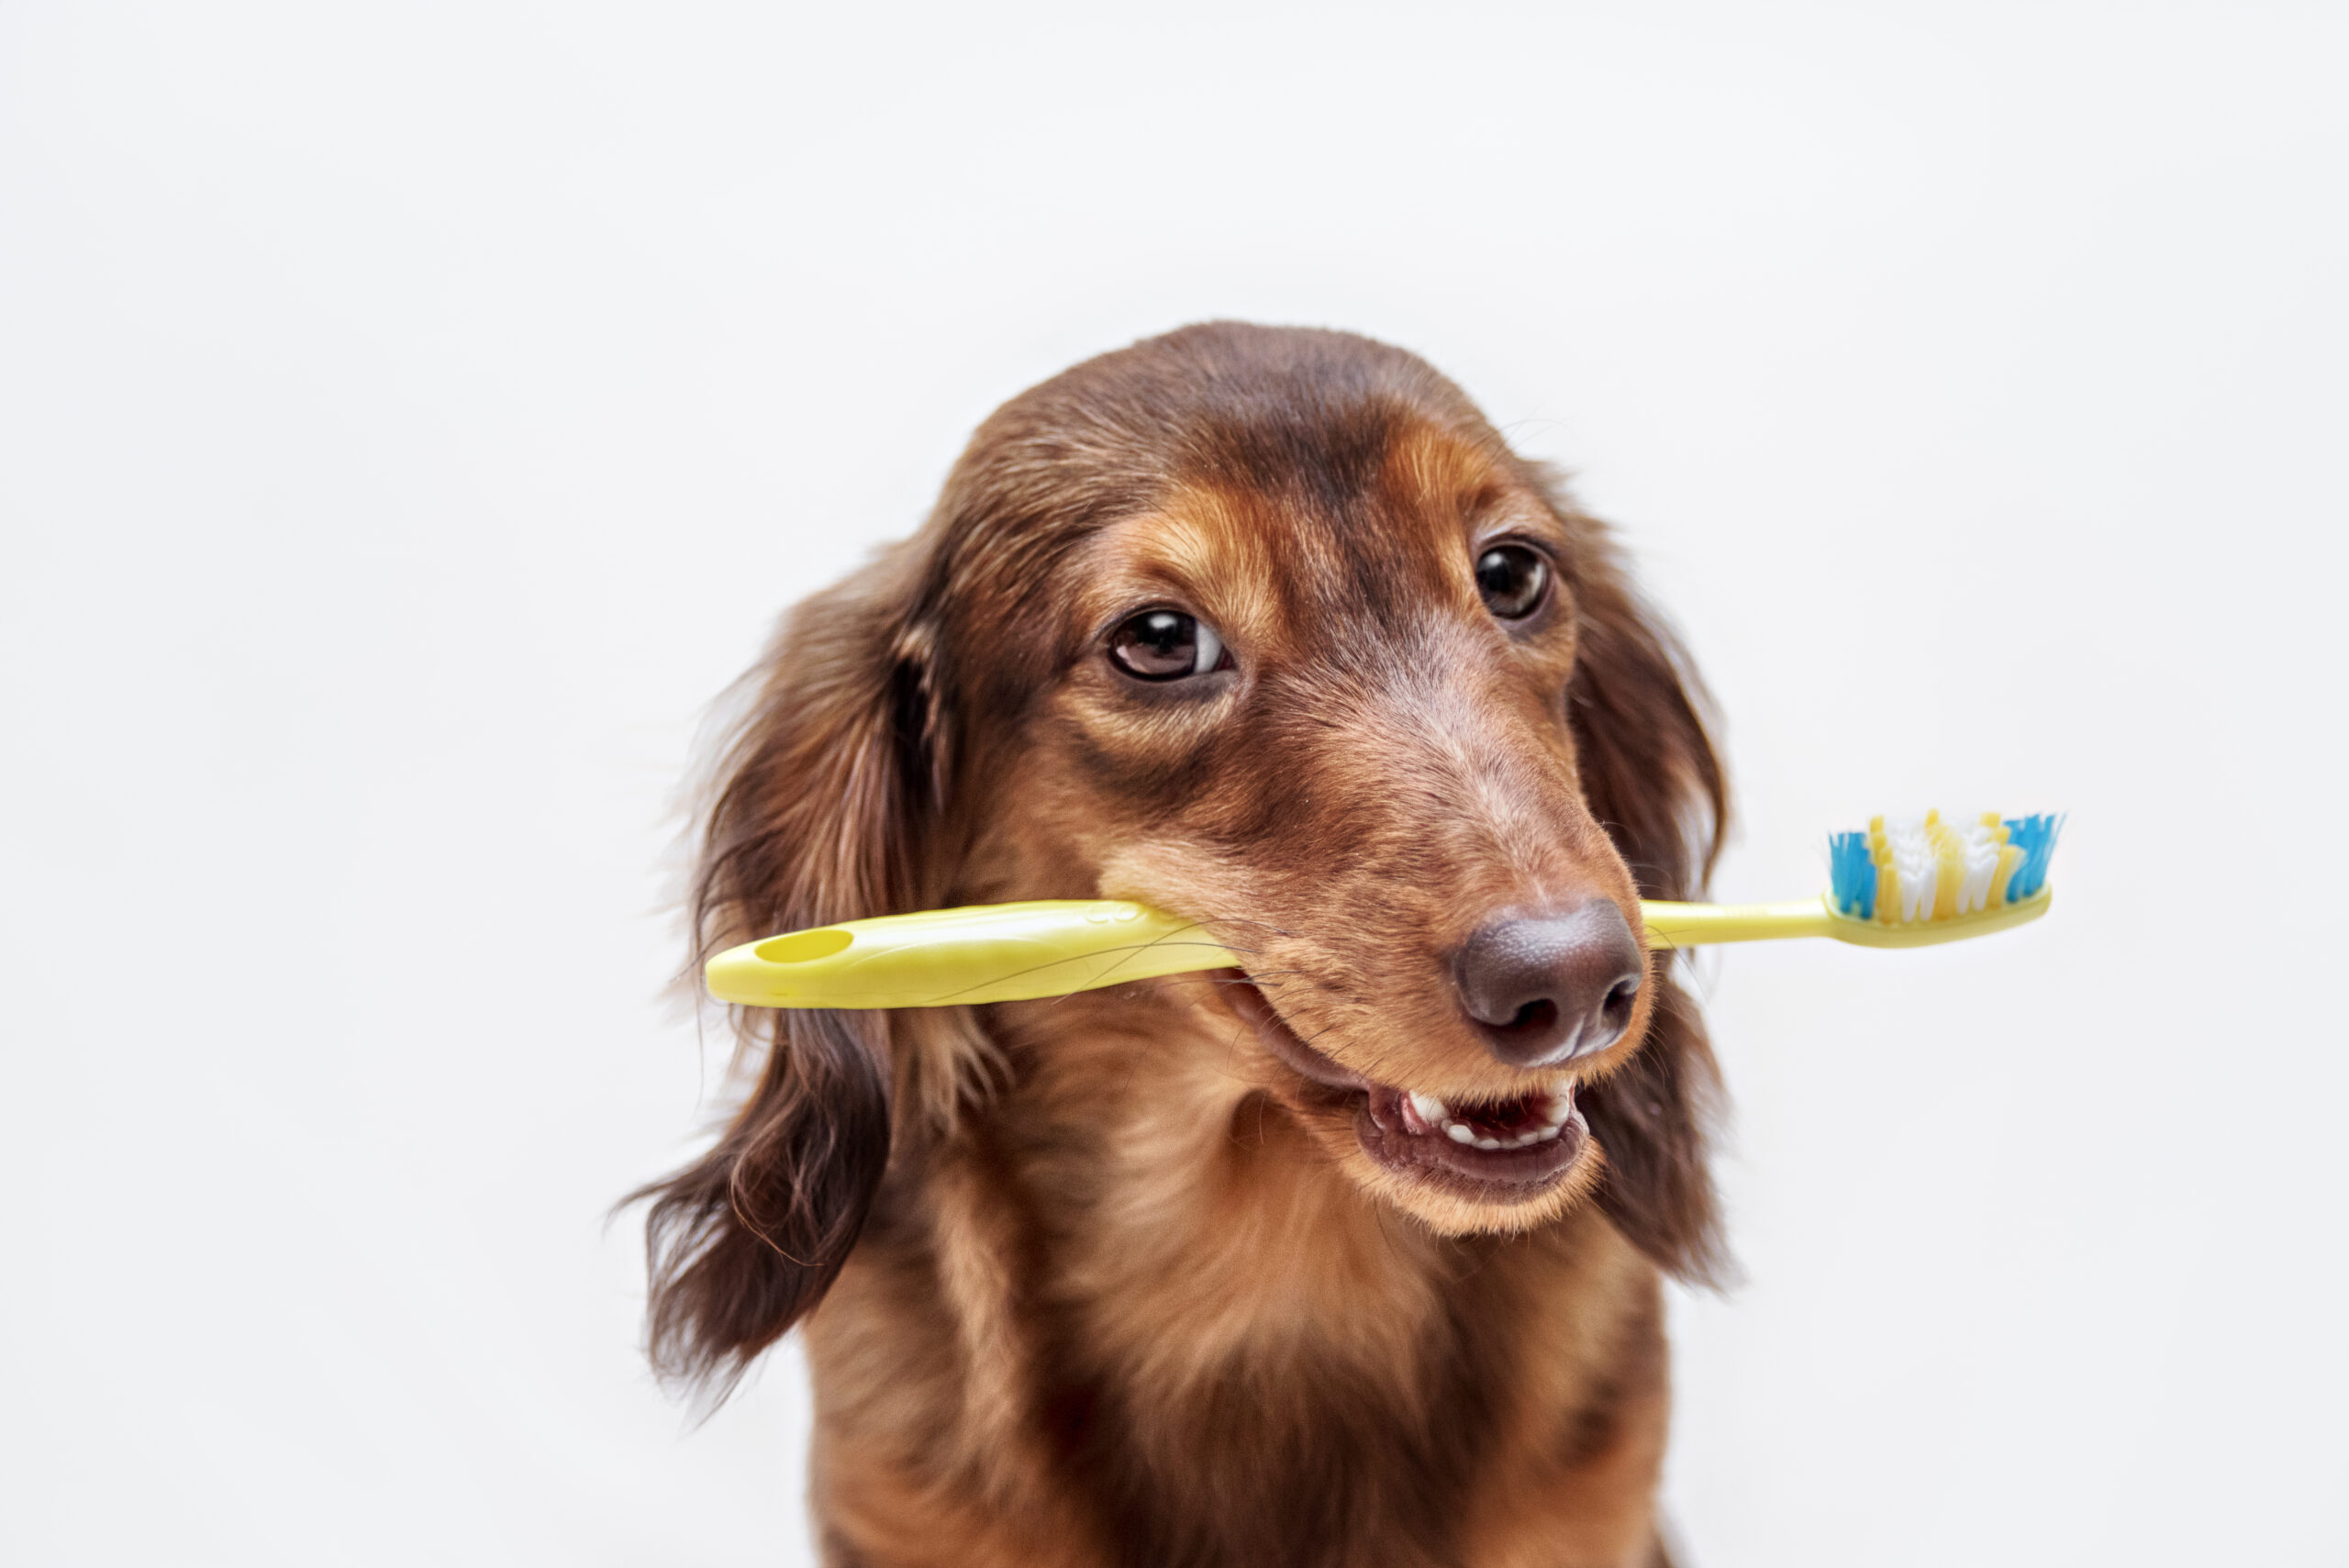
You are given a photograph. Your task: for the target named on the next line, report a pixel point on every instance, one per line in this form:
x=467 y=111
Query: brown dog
x=1352 y=1259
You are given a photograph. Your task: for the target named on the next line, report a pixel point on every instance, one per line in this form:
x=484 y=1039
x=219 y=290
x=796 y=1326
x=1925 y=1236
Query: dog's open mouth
x=1502 y=1151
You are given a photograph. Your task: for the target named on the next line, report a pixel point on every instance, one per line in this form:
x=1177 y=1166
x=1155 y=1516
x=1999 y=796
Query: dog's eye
x=1514 y=580
x=1166 y=645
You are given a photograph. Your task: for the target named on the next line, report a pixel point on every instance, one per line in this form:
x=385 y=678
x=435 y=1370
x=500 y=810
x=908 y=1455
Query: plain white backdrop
x=411 y=417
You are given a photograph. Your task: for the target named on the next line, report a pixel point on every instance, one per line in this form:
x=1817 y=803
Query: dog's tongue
x=1509 y=1118
x=1509 y=1124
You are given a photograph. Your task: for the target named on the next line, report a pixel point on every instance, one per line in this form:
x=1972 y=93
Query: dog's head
x=1271 y=630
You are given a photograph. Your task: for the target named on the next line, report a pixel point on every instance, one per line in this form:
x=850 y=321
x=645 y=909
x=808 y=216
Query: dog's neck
x=1126 y=1303
x=1194 y=1228
x=1232 y=1339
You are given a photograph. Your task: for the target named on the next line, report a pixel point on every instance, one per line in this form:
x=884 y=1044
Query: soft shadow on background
x=412 y=415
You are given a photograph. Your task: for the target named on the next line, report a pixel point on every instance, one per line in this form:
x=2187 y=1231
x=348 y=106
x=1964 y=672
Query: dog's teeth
x=1459 y=1134
x=1547 y=1133
x=1561 y=1105
x=1489 y=1144
x=1431 y=1109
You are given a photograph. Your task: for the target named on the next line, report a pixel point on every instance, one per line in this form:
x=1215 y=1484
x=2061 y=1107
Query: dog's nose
x=1544 y=989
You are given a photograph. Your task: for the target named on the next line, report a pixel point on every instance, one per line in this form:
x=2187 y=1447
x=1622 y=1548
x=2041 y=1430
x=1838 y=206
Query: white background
x=411 y=415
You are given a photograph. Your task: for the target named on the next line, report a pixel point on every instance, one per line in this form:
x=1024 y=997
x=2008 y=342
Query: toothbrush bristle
x=1911 y=869
x=1853 y=883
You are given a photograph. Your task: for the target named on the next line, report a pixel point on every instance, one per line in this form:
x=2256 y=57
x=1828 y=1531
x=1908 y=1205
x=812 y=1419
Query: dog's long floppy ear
x=1653 y=779
x=821 y=810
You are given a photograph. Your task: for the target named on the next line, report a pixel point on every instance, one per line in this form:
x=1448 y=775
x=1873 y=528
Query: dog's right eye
x=1514 y=580
x=1166 y=645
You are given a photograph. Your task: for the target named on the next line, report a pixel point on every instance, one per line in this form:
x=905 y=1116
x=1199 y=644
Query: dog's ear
x=821 y=810
x=1652 y=778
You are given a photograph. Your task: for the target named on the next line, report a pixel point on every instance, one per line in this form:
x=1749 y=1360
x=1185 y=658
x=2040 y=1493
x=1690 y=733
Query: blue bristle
x=2035 y=836
x=1853 y=875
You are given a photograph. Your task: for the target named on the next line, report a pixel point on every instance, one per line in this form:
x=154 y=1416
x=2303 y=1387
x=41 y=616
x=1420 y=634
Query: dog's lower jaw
x=1455 y=1206
x=1544 y=1138
x=1497 y=1170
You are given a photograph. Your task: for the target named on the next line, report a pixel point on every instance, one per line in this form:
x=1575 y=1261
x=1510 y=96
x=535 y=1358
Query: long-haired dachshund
x=1350 y=1258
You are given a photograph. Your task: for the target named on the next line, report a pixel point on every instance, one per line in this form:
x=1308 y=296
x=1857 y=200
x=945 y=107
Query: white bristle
x=1981 y=858
x=1916 y=859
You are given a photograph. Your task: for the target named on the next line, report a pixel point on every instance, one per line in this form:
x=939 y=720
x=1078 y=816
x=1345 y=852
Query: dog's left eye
x=1166 y=645
x=1513 y=580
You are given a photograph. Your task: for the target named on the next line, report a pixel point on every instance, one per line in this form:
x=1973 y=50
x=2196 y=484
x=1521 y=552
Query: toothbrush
x=1904 y=883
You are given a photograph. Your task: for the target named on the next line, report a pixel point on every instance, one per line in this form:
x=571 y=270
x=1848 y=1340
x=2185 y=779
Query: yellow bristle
x=2009 y=859
x=1887 y=893
x=1950 y=857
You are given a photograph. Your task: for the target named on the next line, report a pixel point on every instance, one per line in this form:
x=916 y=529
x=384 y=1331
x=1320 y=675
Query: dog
x=1350 y=1257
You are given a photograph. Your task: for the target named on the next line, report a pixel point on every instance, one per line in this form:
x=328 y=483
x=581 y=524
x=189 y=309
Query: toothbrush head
x=1921 y=870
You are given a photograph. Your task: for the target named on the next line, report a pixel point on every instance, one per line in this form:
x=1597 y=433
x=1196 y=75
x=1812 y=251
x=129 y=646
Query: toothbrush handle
x=1007 y=953
x=1690 y=925
x=943 y=957
x=1693 y=924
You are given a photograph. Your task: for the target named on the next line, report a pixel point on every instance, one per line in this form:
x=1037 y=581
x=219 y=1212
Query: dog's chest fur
x=1130 y=1316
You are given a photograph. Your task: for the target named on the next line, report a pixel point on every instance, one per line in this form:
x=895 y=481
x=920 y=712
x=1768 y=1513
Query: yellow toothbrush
x=1902 y=884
